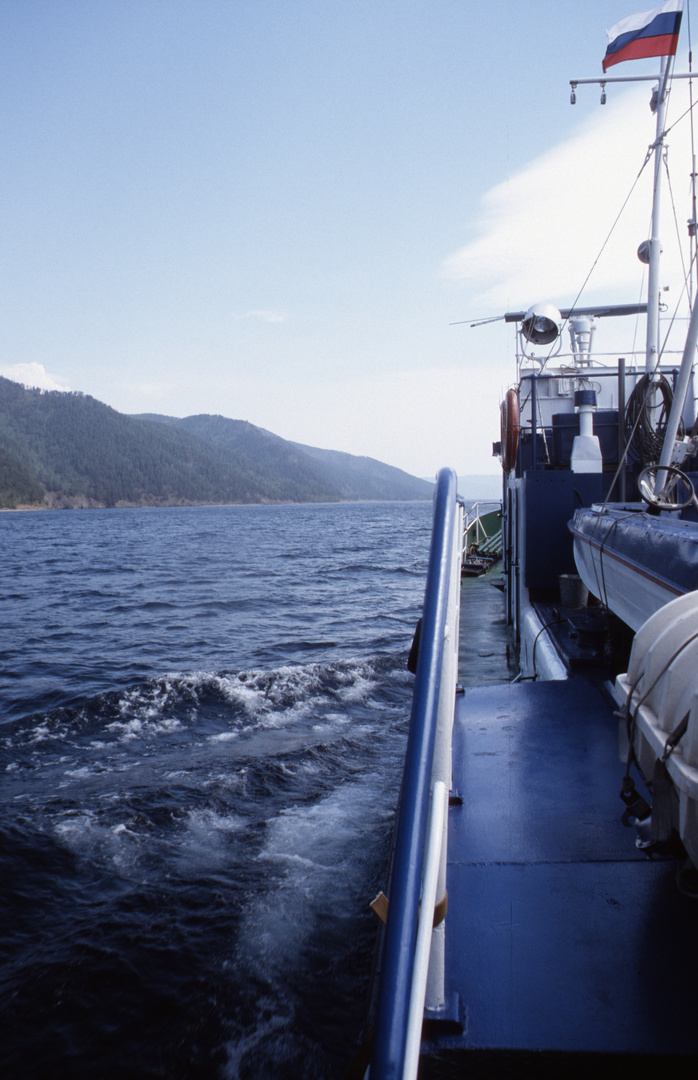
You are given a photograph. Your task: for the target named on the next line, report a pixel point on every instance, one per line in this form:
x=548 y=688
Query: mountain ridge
x=347 y=476
x=66 y=449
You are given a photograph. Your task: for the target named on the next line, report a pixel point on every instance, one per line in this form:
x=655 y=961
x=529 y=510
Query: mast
x=655 y=247
x=655 y=33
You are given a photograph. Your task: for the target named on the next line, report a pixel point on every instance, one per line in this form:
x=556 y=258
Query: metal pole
x=655 y=249
x=442 y=769
x=685 y=372
x=437 y=823
x=602 y=80
x=396 y=979
x=621 y=427
x=534 y=421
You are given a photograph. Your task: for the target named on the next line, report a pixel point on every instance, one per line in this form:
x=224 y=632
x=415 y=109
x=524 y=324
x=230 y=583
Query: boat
x=482 y=538
x=550 y=821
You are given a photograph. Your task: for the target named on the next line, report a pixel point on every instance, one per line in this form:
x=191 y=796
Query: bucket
x=573 y=591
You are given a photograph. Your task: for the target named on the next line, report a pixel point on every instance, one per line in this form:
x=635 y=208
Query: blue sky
x=273 y=209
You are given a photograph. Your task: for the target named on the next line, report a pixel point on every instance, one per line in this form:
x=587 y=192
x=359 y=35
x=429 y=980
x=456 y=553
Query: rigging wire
x=648 y=156
x=651 y=150
x=639 y=410
x=668 y=130
x=643 y=437
x=636 y=330
x=686 y=284
x=692 y=225
x=648 y=439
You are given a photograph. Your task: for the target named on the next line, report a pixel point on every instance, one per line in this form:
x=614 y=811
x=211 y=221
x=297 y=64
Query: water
x=204 y=715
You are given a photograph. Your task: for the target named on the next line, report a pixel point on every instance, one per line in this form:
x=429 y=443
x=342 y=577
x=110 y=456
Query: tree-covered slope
x=347 y=476
x=293 y=474
x=350 y=473
x=61 y=448
x=18 y=485
x=73 y=445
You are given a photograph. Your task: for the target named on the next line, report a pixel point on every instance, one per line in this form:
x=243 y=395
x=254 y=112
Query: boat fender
x=414 y=649
x=510 y=429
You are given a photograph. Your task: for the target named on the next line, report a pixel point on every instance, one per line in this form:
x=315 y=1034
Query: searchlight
x=542 y=324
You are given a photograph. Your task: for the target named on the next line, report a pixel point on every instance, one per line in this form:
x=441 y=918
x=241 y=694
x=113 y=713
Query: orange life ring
x=510 y=429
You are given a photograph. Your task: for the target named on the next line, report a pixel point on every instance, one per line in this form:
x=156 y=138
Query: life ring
x=510 y=429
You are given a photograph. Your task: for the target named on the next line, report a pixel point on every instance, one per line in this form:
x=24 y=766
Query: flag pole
x=655 y=247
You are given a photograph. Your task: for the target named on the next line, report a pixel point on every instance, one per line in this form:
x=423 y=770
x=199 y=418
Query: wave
x=200 y=847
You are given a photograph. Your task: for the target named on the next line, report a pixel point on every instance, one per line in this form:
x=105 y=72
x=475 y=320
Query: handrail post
x=424 y=947
x=442 y=769
x=388 y=1060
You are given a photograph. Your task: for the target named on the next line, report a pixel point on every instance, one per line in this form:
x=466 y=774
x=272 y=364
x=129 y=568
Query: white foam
x=259 y=699
x=204 y=821
x=360 y=689
x=137 y=727
x=320 y=850
x=118 y=830
x=206 y=840
x=289 y=858
x=76 y=829
x=41 y=733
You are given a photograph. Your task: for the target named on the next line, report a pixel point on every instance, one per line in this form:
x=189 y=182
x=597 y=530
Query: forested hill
x=304 y=468
x=68 y=449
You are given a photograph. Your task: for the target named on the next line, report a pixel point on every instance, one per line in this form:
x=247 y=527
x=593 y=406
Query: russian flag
x=649 y=33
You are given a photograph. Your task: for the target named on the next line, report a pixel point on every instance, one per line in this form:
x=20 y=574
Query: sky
x=276 y=210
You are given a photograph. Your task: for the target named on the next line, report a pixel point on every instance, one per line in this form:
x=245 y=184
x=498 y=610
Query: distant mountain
x=68 y=449
x=324 y=474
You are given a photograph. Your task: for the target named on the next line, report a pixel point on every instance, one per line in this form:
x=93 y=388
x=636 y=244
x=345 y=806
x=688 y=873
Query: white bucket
x=573 y=591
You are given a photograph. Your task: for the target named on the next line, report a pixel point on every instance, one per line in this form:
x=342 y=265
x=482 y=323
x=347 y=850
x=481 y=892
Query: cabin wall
x=552 y=496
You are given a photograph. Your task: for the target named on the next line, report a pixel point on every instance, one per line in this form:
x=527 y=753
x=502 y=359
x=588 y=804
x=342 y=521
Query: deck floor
x=570 y=941
x=484 y=636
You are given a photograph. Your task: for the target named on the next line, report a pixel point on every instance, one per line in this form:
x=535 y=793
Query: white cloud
x=538 y=234
x=32 y=374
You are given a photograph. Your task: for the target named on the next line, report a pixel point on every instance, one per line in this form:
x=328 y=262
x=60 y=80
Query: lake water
x=204 y=712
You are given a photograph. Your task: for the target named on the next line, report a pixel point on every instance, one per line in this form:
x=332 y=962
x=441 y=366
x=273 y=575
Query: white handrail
x=442 y=767
x=419 y=866
x=439 y=796
x=428 y=984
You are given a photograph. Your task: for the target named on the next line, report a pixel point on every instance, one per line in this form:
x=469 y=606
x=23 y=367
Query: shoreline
x=179 y=505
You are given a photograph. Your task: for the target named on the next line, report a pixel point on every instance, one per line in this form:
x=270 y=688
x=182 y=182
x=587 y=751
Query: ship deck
x=483 y=645
x=563 y=939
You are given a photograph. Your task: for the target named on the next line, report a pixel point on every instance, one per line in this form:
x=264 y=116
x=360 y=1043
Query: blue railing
x=398 y=964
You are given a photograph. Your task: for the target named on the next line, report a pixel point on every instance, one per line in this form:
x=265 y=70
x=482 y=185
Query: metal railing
x=483 y=527
x=413 y=952
x=481 y=509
